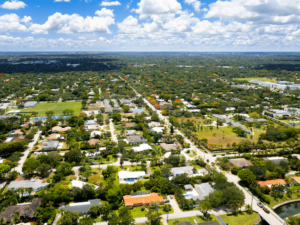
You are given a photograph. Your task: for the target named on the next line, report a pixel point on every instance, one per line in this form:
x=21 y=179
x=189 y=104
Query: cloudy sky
x=149 y=25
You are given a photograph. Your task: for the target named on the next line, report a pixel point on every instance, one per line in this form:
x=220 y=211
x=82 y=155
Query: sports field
x=57 y=107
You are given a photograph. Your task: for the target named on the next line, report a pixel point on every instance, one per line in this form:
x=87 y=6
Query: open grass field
x=240 y=218
x=57 y=107
x=224 y=135
x=195 y=120
x=254 y=78
x=199 y=219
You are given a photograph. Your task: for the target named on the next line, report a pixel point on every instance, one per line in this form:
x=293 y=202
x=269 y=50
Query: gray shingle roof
x=203 y=190
x=84 y=207
x=9 y=211
x=33 y=183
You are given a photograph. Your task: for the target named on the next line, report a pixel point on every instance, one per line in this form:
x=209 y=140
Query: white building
x=157 y=129
x=142 y=147
x=125 y=176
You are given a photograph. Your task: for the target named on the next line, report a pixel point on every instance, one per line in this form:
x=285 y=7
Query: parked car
x=266 y=210
x=223 y=155
x=214 y=155
x=260 y=204
x=166 y=201
x=171 y=197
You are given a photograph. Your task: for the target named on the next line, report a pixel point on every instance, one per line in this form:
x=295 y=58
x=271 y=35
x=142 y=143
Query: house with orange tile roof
x=269 y=183
x=134 y=201
x=296 y=180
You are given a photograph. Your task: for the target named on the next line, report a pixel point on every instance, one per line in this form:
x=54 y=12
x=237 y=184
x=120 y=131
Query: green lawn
x=285 y=198
x=240 y=218
x=57 y=107
x=223 y=135
x=137 y=212
x=199 y=219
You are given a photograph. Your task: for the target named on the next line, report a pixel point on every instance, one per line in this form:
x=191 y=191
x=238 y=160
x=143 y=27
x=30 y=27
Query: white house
x=95 y=132
x=142 y=147
x=157 y=129
x=125 y=176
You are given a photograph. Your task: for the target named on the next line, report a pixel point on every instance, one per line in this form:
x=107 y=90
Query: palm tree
x=21 y=190
x=248 y=208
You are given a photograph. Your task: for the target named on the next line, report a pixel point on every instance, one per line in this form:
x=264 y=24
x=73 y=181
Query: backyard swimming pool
x=188 y=195
x=129 y=181
x=60 y=145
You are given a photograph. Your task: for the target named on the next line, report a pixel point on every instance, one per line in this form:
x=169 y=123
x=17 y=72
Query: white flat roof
x=126 y=174
x=142 y=147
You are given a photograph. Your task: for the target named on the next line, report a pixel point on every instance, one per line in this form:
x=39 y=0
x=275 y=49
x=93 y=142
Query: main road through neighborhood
x=272 y=218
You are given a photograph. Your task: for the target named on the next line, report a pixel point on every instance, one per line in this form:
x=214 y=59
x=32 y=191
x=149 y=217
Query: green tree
x=30 y=165
x=86 y=220
x=126 y=108
x=125 y=217
x=246 y=176
x=116 y=117
x=105 y=210
x=94 y=210
x=4 y=169
x=204 y=207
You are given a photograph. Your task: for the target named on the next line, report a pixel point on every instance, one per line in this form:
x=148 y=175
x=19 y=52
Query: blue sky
x=149 y=25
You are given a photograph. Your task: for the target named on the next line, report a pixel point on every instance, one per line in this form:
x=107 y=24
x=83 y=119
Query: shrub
x=143 y=208
x=235 y=170
x=265 y=199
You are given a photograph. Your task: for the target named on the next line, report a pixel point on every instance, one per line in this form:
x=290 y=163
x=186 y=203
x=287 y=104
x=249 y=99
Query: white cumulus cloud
x=105 y=12
x=68 y=24
x=113 y=3
x=155 y=7
x=195 y=3
x=12 y=23
x=13 y=4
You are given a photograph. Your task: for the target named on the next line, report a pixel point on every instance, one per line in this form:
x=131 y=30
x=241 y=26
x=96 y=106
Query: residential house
x=26 y=210
x=154 y=124
x=129 y=125
x=132 y=133
x=275 y=160
x=144 y=200
x=50 y=145
x=130 y=177
x=92 y=127
x=269 y=183
x=136 y=140
x=142 y=147
x=81 y=207
x=157 y=129
x=203 y=190
x=297 y=156
x=57 y=129
x=94 y=133
x=55 y=137
x=35 y=184
x=296 y=180
x=240 y=163
x=169 y=147
x=10 y=140
x=175 y=171
x=93 y=141
x=188 y=187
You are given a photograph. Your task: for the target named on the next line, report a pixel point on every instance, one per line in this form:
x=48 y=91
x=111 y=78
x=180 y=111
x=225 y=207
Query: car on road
x=223 y=155
x=260 y=204
x=266 y=210
x=214 y=155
